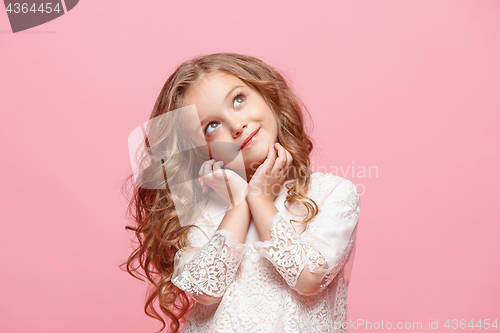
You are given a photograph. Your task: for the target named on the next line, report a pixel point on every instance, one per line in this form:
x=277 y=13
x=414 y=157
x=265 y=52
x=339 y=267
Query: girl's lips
x=252 y=137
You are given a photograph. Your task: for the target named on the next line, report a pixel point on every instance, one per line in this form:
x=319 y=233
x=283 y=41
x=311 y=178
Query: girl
x=235 y=233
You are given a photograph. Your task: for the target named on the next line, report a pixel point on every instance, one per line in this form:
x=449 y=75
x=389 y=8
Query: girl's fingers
x=289 y=159
x=217 y=169
x=201 y=173
x=209 y=166
x=286 y=156
x=206 y=168
x=271 y=157
x=282 y=158
x=289 y=162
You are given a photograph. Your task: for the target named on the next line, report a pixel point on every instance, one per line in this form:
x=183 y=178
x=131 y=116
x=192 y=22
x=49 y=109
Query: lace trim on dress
x=340 y=310
x=321 y=185
x=213 y=268
x=288 y=252
x=260 y=301
x=349 y=205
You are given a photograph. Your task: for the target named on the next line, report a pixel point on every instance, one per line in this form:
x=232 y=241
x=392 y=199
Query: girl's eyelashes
x=209 y=128
x=239 y=98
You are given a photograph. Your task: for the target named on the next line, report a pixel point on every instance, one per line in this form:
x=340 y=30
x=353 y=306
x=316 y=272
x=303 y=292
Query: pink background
x=409 y=88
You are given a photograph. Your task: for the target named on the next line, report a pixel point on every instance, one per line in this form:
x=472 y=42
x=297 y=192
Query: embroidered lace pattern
x=213 y=268
x=340 y=310
x=260 y=301
x=321 y=184
x=288 y=252
x=348 y=206
x=263 y=298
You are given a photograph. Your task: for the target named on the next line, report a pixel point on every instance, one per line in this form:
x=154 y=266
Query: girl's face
x=231 y=111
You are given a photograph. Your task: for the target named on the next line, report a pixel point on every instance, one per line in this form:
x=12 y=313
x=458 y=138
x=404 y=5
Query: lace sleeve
x=326 y=244
x=207 y=267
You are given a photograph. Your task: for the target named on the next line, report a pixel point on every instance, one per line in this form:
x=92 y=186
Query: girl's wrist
x=258 y=200
x=241 y=205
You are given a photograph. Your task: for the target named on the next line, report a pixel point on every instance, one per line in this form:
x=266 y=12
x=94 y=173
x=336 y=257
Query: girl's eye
x=240 y=98
x=211 y=127
x=237 y=101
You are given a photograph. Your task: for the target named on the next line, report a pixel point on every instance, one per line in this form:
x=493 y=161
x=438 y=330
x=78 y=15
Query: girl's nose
x=238 y=125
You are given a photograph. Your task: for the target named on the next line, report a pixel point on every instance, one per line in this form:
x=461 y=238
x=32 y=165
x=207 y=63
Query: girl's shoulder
x=326 y=180
x=322 y=184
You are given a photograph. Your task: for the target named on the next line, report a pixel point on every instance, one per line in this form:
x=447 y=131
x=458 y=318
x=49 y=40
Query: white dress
x=257 y=279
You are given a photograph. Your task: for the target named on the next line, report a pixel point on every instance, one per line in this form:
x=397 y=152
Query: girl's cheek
x=203 y=148
x=200 y=139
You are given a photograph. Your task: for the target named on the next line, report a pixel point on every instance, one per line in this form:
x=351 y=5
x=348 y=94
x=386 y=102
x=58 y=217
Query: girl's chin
x=246 y=163
x=247 y=169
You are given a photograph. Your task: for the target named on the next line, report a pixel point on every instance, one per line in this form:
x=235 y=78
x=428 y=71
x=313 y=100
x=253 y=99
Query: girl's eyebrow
x=230 y=91
x=227 y=96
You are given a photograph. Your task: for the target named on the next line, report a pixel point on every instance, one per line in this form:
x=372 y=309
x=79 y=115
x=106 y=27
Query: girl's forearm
x=262 y=211
x=222 y=254
x=237 y=220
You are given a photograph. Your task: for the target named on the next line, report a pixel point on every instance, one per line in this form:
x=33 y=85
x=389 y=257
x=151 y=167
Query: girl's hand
x=214 y=176
x=269 y=177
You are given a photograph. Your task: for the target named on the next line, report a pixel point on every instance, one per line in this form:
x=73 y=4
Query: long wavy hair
x=157 y=226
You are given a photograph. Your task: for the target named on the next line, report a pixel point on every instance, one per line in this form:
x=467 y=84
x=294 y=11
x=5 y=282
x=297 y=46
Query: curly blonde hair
x=156 y=220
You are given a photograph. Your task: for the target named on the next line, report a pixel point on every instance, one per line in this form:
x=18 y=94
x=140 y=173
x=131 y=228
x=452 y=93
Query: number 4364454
x=25 y=8
x=462 y=324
